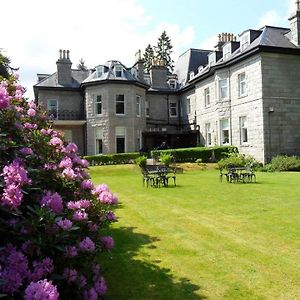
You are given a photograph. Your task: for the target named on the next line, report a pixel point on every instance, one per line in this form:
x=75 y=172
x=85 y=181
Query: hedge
x=206 y=154
x=112 y=159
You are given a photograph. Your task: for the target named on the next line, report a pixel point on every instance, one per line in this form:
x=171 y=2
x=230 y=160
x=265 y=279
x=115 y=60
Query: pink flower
x=111 y=216
x=107 y=242
x=100 y=188
x=53 y=201
x=31 y=112
x=29 y=126
x=68 y=173
x=80 y=215
x=100 y=286
x=81 y=281
x=90 y=294
x=71 y=251
x=74 y=205
x=106 y=198
x=41 y=290
x=66 y=162
x=31 y=104
x=4 y=96
x=87 y=245
x=70 y=274
x=41 y=268
x=71 y=148
x=55 y=141
x=64 y=224
x=26 y=151
x=87 y=184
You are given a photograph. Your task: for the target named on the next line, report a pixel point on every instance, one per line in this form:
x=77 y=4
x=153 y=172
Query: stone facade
x=245 y=93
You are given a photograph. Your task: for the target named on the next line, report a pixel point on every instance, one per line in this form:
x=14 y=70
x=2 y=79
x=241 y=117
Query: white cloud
x=209 y=43
x=95 y=30
x=272 y=18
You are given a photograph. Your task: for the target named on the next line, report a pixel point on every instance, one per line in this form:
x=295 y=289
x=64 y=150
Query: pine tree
x=163 y=51
x=81 y=65
x=148 y=57
x=5 y=68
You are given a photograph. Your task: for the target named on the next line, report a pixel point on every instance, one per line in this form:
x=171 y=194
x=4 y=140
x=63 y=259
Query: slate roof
x=109 y=73
x=273 y=37
x=190 y=61
x=77 y=78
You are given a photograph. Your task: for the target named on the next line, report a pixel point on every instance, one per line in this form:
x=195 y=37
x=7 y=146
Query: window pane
x=120 y=144
x=98 y=105
x=173 y=109
x=138 y=105
x=120 y=108
x=223 y=88
x=99 y=149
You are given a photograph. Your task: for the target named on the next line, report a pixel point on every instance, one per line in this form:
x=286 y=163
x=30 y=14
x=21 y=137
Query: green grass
x=204 y=239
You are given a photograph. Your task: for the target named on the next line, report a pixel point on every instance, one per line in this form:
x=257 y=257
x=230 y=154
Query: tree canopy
x=161 y=53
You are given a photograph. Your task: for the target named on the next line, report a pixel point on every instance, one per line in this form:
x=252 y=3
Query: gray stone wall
x=108 y=121
x=281 y=106
x=67 y=100
x=233 y=107
x=159 y=112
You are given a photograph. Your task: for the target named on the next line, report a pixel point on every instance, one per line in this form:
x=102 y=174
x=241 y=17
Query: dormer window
x=118 y=71
x=245 y=40
x=192 y=75
x=99 y=71
x=172 y=83
x=200 y=69
x=227 y=51
x=211 y=58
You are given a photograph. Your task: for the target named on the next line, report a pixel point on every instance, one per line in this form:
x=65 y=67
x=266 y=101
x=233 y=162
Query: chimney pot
x=68 y=52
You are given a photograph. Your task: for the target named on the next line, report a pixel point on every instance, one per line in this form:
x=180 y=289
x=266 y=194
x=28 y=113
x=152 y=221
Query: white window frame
x=120 y=132
x=208 y=134
x=138 y=105
x=242 y=84
x=222 y=130
x=119 y=101
x=99 y=71
x=188 y=106
x=49 y=107
x=223 y=84
x=243 y=130
x=173 y=107
x=98 y=137
x=212 y=58
x=98 y=101
x=172 y=83
x=226 y=51
x=207 y=97
x=138 y=139
x=245 y=40
x=147 y=108
x=118 y=71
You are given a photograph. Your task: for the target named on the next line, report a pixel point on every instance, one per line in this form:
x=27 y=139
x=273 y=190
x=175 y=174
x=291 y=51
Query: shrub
x=207 y=154
x=51 y=214
x=141 y=161
x=238 y=160
x=285 y=163
x=166 y=158
x=112 y=159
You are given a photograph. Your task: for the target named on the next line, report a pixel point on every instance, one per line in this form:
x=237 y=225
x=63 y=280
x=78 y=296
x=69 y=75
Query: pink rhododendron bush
x=51 y=214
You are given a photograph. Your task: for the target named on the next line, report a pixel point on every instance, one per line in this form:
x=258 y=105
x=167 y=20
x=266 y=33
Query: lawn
x=203 y=239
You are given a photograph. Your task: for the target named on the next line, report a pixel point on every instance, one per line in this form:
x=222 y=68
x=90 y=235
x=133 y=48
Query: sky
x=33 y=31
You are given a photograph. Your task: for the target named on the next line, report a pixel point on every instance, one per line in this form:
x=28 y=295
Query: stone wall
x=108 y=121
x=281 y=108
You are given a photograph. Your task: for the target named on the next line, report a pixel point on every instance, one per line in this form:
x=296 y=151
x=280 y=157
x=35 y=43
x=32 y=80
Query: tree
x=148 y=57
x=163 y=51
x=81 y=65
x=5 y=68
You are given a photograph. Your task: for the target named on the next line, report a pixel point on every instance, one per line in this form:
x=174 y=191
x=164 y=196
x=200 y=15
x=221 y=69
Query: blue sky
x=101 y=30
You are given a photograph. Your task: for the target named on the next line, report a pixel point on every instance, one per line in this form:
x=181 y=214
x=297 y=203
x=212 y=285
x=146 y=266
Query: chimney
x=64 y=76
x=295 y=24
x=159 y=74
x=139 y=62
x=224 y=38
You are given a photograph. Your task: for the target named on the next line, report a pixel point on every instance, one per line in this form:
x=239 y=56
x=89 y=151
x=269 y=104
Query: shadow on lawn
x=130 y=278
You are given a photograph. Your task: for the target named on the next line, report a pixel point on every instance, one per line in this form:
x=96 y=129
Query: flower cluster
x=51 y=214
